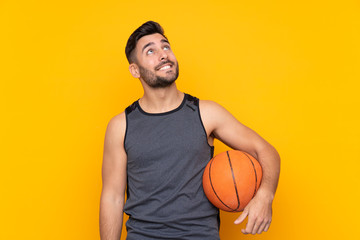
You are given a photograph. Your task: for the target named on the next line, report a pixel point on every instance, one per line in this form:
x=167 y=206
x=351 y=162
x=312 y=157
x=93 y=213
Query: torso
x=169 y=151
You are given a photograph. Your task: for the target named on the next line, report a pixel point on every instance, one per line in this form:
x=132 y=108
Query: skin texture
x=161 y=95
x=147 y=66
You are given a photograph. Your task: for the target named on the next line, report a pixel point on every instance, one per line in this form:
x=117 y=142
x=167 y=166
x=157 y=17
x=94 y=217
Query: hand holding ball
x=231 y=180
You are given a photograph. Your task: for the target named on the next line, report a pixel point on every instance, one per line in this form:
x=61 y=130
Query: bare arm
x=220 y=124
x=114 y=180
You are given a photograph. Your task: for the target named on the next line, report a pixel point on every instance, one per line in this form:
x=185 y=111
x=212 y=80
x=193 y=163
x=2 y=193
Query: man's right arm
x=114 y=179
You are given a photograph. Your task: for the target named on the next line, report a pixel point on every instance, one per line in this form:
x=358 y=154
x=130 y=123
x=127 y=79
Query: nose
x=163 y=55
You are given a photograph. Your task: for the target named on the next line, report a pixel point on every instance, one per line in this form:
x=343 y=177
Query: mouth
x=165 y=67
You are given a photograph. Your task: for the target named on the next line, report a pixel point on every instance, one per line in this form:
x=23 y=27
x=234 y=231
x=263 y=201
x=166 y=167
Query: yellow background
x=289 y=70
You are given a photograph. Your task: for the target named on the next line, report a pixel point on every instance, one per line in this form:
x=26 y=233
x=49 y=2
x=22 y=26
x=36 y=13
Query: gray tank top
x=166 y=156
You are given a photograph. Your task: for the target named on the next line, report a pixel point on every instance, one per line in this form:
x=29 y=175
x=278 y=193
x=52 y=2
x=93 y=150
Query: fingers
x=256 y=226
x=264 y=227
x=259 y=219
x=261 y=228
x=249 y=226
x=267 y=227
x=242 y=217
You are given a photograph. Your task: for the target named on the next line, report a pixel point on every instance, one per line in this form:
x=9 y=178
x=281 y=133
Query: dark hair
x=147 y=28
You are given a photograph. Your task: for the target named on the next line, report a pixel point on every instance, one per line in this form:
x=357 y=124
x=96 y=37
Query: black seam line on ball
x=254 y=172
x=214 y=188
x=233 y=176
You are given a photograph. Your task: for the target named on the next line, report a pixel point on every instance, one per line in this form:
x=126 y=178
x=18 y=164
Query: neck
x=161 y=99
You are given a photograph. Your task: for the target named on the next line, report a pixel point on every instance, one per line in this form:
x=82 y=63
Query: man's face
x=157 y=63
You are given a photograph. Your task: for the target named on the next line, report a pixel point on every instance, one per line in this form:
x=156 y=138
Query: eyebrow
x=164 y=40
x=146 y=45
x=151 y=43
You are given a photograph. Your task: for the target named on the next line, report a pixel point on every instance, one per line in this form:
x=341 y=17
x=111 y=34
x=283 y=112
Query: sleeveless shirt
x=166 y=156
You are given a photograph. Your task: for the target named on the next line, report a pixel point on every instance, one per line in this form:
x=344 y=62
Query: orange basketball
x=231 y=180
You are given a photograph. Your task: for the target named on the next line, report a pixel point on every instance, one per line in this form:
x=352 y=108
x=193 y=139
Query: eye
x=166 y=47
x=150 y=51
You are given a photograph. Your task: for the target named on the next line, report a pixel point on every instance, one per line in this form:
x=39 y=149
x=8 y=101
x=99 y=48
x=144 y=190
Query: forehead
x=152 y=38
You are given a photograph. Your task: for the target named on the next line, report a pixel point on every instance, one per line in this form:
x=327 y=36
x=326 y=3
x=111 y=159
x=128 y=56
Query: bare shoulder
x=208 y=104
x=213 y=115
x=116 y=127
x=209 y=107
x=213 y=110
x=118 y=121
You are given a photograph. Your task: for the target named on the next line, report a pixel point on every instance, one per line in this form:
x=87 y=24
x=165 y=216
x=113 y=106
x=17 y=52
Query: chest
x=157 y=141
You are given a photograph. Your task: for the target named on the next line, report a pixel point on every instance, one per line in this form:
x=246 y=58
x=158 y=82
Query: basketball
x=231 y=179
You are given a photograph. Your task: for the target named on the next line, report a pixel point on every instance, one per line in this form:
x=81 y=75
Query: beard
x=154 y=81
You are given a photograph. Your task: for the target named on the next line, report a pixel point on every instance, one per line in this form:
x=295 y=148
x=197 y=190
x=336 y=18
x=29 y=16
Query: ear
x=134 y=70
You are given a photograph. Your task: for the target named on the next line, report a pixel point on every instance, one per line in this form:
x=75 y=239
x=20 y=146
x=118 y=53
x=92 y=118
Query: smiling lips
x=165 y=66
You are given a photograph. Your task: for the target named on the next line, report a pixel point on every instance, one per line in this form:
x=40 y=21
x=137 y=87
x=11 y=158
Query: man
x=158 y=148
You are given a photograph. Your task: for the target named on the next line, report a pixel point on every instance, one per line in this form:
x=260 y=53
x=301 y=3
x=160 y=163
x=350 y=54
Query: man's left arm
x=220 y=124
